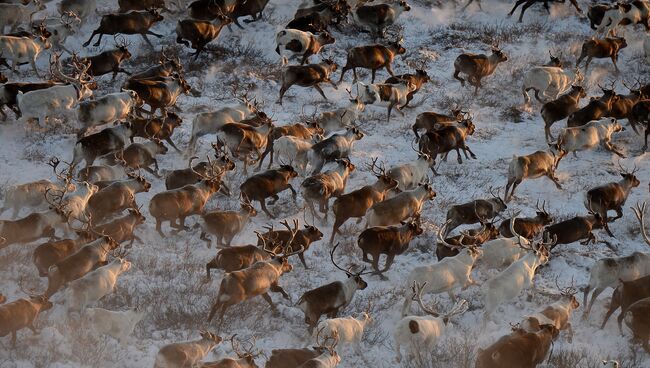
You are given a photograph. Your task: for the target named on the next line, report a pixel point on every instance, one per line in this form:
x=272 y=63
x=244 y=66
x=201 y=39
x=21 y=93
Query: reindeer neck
x=465 y=258
x=205 y=345
x=493 y=62
x=626 y=185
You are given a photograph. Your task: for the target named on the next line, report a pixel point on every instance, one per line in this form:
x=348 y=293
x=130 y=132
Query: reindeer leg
x=317 y=87
x=373 y=72
x=159 y=227
x=144 y=36
x=524 y=8
x=551 y=175
x=519 y=2
x=263 y=205
x=460 y=160
x=595 y=294
x=268 y=299
x=456 y=76
x=294 y=194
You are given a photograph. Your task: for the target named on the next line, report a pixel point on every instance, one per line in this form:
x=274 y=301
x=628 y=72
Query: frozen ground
x=168 y=274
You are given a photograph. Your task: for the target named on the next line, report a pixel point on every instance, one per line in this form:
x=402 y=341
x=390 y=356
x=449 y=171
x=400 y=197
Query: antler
x=568 y=291
x=417 y=289
x=381 y=169
x=120 y=41
x=541 y=209
x=441 y=237
x=639 y=212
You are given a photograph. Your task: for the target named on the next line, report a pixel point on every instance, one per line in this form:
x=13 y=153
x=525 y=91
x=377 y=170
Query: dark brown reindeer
x=240 y=257
x=475 y=211
x=451 y=246
x=158 y=128
x=640 y=115
x=595 y=109
x=135 y=22
x=626 y=294
x=108 y=61
x=561 y=108
x=198 y=33
x=477 y=66
x=389 y=240
x=579 y=228
x=303 y=238
x=528 y=227
x=446 y=139
x=331 y=298
x=311 y=75
x=269 y=184
x=600 y=49
x=430 y=121
x=195 y=173
x=356 y=203
x=612 y=196
x=373 y=57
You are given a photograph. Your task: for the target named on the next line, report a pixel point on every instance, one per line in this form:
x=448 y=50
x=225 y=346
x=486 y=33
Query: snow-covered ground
x=168 y=274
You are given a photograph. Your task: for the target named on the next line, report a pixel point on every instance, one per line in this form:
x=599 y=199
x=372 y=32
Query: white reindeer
x=294 y=151
x=117 y=324
x=186 y=354
x=549 y=82
x=504 y=251
x=94 y=285
x=408 y=176
x=517 y=277
x=106 y=109
x=14 y=15
x=349 y=329
x=421 y=333
x=22 y=50
x=608 y=272
x=445 y=276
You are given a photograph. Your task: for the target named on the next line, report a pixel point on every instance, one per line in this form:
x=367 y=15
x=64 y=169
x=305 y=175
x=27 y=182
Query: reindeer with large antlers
x=303 y=238
x=31 y=195
x=420 y=333
x=331 y=298
x=58 y=99
x=356 y=203
x=451 y=246
x=259 y=279
x=510 y=282
x=556 y=314
x=245 y=357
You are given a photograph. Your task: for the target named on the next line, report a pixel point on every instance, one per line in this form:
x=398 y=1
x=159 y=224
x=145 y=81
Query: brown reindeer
x=640 y=115
x=297 y=130
x=519 y=349
x=303 y=238
x=475 y=211
x=116 y=197
x=600 y=49
x=528 y=227
x=612 y=196
x=373 y=57
x=192 y=174
x=198 y=33
x=416 y=80
x=311 y=75
x=22 y=313
x=451 y=246
x=430 y=121
x=446 y=139
x=356 y=203
x=269 y=184
x=158 y=128
x=108 y=61
x=561 y=108
x=626 y=294
x=533 y=166
x=239 y=257
x=595 y=109
x=135 y=22
x=389 y=240
x=225 y=225
x=477 y=66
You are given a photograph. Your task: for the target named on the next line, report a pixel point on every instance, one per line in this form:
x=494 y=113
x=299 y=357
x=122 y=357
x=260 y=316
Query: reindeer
x=78 y=264
x=509 y=283
x=533 y=166
x=240 y=257
x=502 y=252
x=302 y=239
x=177 y=204
x=116 y=197
x=160 y=94
x=378 y=17
x=337 y=146
x=298 y=130
x=51 y=252
x=158 y=128
x=194 y=173
x=600 y=49
x=528 y=227
x=283 y=358
x=373 y=57
x=356 y=203
x=520 y=348
x=561 y=108
x=269 y=184
x=107 y=141
x=293 y=42
x=121 y=229
x=446 y=139
x=141 y=156
x=135 y=22
x=320 y=188
x=444 y=276
x=636 y=318
x=612 y=196
x=32 y=195
x=245 y=359
x=430 y=121
x=35 y=226
x=403 y=206
x=475 y=211
x=198 y=33
x=253 y=8
x=416 y=80
x=588 y=136
x=348 y=330
x=388 y=240
x=258 y=279
x=556 y=314
x=21 y=313
x=421 y=333
x=473 y=237
x=187 y=354
x=640 y=114
x=477 y=66
x=331 y=298
x=307 y=76
x=106 y=109
x=225 y=225
x=13 y=15
x=528 y=3
x=626 y=294
x=94 y=285
x=109 y=61
x=118 y=325
x=607 y=272
x=244 y=140
x=595 y=109
x=408 y=176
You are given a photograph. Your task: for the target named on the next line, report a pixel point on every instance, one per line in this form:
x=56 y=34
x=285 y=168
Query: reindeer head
x=325 y=38
x=404 y=5
x=155 y=14
x=629 y=176
x=414 y=226
x=542 y=214
x=291 y=172
x=580 y=90
x=500 y=55
x=139 y=217
x=246 y=353
x=210 y=337
x=346 y=163
x=569 y=293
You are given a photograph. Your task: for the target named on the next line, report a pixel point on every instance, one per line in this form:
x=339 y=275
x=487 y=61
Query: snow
x=168 y=276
